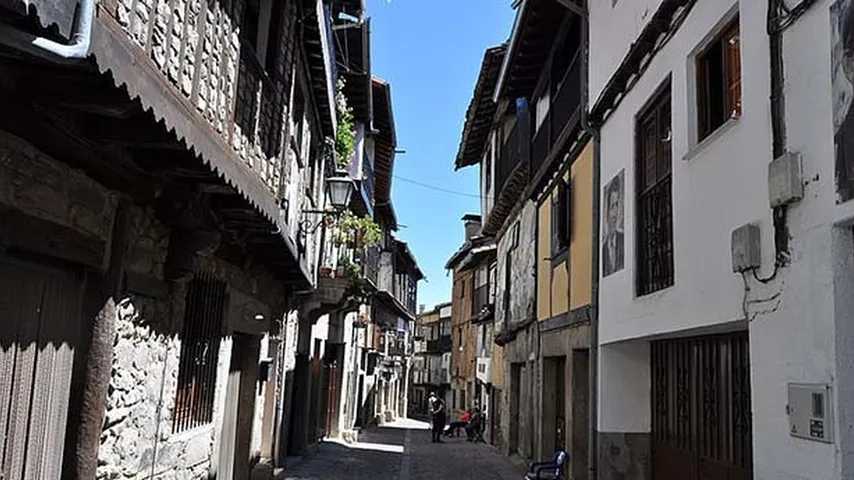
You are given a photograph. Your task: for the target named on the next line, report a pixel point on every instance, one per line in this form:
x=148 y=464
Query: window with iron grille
x=719 y=80
x=200 y=342
x=561 y=212
x=654 y=197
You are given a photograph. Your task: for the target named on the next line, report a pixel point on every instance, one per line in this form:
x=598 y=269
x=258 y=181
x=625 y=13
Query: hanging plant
x=345 y=139
x=358 y=232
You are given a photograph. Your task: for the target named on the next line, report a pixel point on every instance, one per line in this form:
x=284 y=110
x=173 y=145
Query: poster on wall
x=612 y=239
x=842 y=70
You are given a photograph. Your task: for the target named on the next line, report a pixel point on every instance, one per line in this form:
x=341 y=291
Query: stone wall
x=138 y=438
x=523 y=271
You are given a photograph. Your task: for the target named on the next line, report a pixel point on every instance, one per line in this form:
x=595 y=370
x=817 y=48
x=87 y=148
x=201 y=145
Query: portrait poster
x=613 y=253
x=842 y=71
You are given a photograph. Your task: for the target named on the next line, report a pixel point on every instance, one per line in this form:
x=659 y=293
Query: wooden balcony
x=562 y=117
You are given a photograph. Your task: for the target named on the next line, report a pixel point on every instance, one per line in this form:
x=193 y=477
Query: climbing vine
x=345 y=139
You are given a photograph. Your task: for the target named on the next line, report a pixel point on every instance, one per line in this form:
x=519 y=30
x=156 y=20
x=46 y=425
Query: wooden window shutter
x=732 y=63
x=567 y=216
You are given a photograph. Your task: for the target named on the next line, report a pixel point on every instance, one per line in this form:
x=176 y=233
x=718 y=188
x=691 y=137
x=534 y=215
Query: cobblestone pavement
x=403 y=451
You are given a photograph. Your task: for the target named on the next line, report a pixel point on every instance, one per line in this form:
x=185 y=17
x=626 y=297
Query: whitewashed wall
x=626 y=20
x=718 y=187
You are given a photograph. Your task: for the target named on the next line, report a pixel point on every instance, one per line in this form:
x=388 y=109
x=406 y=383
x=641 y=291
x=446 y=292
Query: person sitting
x=453 y=429
x=474 y=428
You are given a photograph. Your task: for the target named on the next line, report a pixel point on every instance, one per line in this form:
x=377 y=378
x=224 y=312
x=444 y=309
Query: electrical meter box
x=810 y=412
x=745 y=248
x=785 y=181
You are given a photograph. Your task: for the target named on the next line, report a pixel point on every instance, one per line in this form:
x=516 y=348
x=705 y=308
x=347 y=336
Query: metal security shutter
x=701 y=408
x=39 y=323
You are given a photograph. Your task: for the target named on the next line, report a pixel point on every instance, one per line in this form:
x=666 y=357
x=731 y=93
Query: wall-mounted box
x=746 y=253
x=785 y=181
x=810 y=411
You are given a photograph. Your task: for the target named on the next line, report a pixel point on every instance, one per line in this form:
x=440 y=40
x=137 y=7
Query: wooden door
x=239 y=414
x=701 y=408
x=39 y=327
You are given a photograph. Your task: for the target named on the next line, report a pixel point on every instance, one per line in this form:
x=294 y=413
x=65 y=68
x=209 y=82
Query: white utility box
x=810 y=412
x=785 y=181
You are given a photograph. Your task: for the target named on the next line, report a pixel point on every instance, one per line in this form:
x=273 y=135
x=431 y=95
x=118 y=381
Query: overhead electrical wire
x=439 y=189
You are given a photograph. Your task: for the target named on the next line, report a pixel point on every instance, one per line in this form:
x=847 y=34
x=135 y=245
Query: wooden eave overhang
x=657 y=32
x=353 y=55
x=118 y=100
x=385 y=141
x=391 y=304
x=481 y=110
x=537 y=23
x=411 y=263
x=320 y=58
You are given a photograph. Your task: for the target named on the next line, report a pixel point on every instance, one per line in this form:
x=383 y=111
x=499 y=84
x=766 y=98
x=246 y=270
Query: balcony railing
x=443 y=344
x=371 y=264
x=509 y=158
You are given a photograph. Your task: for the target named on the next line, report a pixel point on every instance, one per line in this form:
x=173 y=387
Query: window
x=719 y=81
x=200 y=339
x=561 y=218
x=654 y=199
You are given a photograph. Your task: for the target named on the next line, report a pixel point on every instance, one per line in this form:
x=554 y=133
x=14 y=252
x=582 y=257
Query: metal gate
x=39 y=328
x=701 y=419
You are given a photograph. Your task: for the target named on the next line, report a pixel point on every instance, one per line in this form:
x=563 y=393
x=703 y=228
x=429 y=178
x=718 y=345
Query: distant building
x=431 y=359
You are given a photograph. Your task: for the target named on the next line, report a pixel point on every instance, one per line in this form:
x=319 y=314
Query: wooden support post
x=99 y=361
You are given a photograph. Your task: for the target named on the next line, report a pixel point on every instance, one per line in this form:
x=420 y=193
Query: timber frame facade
x=524 y=127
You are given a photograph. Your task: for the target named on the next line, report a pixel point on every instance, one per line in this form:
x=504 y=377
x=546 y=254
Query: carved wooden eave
x=385 y=142
x=655 y=35
x=507 y=201
x=481 y=110
x=130 y=69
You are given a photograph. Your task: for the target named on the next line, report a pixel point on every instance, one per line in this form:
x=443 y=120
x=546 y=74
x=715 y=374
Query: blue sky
x=430 y=52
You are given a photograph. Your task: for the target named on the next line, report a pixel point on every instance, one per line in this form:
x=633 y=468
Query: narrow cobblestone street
x=402 y=451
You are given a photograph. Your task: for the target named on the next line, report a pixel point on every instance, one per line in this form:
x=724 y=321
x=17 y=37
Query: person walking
x=437 y=413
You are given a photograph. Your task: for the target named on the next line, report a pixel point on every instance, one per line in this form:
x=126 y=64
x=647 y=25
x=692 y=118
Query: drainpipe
x=78 y=49
x=593 y=367
x=780 y=17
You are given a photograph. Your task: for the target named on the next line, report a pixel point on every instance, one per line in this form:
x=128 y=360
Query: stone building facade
x=154 y=215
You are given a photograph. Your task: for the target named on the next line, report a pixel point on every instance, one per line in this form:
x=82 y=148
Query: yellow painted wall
x=566 y=286
x=581 y=245
x=552 y=288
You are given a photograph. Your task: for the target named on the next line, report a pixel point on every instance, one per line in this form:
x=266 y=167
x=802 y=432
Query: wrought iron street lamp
x=340 y=190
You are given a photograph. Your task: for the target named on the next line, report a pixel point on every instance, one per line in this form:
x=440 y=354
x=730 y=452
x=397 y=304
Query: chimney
x=472 y=226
